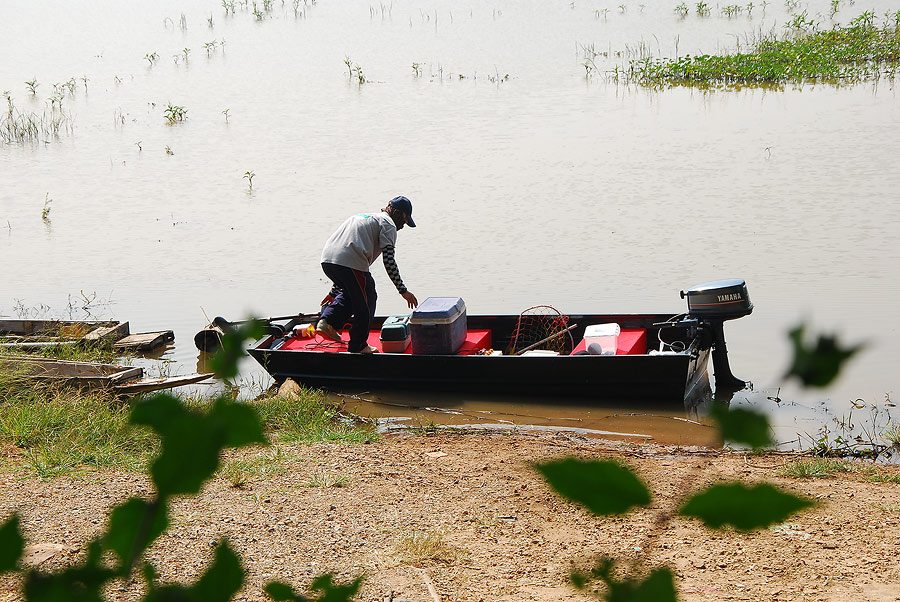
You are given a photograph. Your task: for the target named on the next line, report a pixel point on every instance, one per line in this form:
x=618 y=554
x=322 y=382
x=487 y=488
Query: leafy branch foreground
x=859 y=51
x=191 y=444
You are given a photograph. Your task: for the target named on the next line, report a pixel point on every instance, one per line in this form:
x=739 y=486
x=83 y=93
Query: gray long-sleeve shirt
x=359 y=241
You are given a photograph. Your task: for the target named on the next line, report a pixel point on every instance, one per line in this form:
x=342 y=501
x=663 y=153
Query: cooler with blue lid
x=438 y=326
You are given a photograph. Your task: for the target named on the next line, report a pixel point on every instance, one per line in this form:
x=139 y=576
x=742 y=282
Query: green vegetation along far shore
x=859 y=51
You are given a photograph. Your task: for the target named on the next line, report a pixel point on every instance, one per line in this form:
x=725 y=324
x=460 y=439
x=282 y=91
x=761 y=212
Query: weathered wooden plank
x=145 y=341
x=154 y=384
x=108 y=333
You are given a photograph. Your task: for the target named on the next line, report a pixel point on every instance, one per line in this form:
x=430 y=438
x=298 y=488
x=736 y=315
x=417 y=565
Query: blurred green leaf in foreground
x=745 y=427
x=744 y=508
x=818 y=364
x=603 y=487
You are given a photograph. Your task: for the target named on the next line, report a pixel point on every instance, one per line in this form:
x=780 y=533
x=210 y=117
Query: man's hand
x=328 y=300
x=410 y=299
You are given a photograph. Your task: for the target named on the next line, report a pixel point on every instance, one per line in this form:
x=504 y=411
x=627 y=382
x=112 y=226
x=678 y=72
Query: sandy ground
x=464 y=517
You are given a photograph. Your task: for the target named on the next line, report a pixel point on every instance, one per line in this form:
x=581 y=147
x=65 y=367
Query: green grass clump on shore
x=59 y=430
x=307 y=417
x=819 y=468
x=842 y=54
x=883 y=478
x=263 y=463
x=893 y=436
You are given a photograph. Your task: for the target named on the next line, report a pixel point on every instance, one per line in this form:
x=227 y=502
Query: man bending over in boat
x=346 y=259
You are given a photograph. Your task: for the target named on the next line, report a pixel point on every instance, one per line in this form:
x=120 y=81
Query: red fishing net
x=541 y=327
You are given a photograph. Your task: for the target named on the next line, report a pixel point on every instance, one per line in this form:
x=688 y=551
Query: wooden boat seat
x=632 y=341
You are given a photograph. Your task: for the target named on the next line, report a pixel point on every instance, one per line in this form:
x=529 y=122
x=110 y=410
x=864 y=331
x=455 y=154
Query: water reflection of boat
x=124 y=380
x=658 y=357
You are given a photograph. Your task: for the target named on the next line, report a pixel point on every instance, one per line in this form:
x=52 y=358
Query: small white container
x=604 y=335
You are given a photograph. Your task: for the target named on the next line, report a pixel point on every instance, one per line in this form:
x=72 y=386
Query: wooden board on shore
x=145 y=341
x=155 y=384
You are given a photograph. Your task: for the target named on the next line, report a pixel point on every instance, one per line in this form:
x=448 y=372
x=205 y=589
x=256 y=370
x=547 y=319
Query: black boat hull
x=650 y=377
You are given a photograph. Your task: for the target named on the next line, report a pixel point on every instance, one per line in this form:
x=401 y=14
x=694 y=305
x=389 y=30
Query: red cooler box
x=438 y=326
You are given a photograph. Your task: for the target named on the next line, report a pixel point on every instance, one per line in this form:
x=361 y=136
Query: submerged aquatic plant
x=45 y=212
x=872 y=435
x=353 y=69
x=800 y=23
x=174 y=113
x=32 y=127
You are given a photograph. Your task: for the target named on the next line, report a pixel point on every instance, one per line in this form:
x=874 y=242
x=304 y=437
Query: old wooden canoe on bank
x=124 y=380
x=39 y=334
x=31 y=334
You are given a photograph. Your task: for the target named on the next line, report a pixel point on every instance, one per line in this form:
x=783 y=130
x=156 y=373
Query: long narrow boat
x=658 y=357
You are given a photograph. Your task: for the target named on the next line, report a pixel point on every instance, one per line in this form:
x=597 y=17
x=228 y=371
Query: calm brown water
x=546 y=187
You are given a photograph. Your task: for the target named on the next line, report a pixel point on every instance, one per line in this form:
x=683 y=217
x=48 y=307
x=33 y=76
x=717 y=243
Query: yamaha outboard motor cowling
x=711 y=304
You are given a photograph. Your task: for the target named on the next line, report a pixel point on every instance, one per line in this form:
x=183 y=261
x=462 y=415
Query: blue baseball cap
x=405 y=206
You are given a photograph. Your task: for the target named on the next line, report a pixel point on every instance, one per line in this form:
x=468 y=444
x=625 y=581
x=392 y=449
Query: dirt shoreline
x=504 y=535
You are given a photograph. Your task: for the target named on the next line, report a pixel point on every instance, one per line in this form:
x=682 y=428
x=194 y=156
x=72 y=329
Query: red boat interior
x=631 y=341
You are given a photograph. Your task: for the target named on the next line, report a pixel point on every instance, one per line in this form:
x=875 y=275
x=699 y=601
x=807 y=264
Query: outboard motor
x=711 y=304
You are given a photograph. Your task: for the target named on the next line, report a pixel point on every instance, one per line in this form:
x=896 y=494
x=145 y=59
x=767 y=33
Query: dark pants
x=357 y=299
